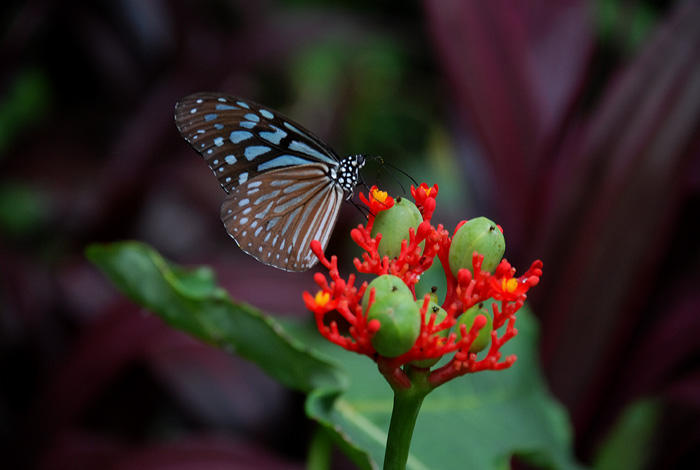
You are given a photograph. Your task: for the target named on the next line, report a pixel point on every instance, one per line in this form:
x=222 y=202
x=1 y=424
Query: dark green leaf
x=630 y=443
x=477 y=421
x=191 y=301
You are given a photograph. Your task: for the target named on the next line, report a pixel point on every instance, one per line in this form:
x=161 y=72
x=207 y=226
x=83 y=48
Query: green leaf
x=23 y=208
x=24 y=103
x=478 y=421
x=629 y=446
x=191 y=301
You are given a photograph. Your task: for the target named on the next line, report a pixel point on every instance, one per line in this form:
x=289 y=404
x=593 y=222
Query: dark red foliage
x=597 y=173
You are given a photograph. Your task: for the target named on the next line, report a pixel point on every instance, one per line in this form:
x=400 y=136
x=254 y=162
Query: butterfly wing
x=240 y=139
x=274 y=216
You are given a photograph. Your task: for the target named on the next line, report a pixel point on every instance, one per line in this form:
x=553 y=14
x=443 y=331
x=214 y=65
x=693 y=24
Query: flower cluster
x=344 y=312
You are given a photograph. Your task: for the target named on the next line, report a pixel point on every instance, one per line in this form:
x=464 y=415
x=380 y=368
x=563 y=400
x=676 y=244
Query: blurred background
x=573 y=124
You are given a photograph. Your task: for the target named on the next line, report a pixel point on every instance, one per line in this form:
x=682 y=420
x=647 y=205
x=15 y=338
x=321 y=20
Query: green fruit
x=433 y=295
x=399 y=317
x=393 y=224
x=433 y=308
x=467 y=319
x=384 y=285
x=480 y=235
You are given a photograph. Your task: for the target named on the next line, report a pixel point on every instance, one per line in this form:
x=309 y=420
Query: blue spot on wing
x=274 y=137
x=239 y=136
x=255 y=151
x=293 y=128
x=210 y=117
x=282 y=160
x=310 y=151
x=225 y=107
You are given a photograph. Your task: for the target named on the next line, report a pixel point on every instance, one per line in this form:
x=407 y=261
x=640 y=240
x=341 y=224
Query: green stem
x=407 y=403
x=319 y=456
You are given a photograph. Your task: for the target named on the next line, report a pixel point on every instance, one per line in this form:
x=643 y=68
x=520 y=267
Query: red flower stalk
x=342 y=319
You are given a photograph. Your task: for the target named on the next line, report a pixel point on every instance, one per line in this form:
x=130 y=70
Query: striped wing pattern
x=284 y=185
x=240 y=139
x=275 y=216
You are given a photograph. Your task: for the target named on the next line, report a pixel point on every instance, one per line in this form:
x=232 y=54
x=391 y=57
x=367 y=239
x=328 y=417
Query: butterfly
x=284 y=185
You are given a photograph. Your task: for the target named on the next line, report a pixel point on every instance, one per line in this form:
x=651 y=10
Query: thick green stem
x=407 y=403
x=319 y=456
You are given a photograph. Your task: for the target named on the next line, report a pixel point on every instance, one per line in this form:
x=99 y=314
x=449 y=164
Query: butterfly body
x=284 y=185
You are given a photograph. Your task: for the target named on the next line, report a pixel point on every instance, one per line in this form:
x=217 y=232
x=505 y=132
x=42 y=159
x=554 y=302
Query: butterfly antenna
x=362 y=182
x=415 y=183
x=389 y=167
x=363 y=210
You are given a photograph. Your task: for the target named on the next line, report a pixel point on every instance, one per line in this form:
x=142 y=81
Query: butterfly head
x=348 y=172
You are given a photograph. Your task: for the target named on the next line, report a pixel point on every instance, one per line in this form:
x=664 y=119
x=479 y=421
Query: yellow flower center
x=322 y=298
x=509 y=285
x=427 y=191
x=379 y=195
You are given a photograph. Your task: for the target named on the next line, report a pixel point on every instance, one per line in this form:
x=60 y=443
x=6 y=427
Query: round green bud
x=467 y=319
x=399 y=317
x=383 y=285
x=480 y=235
x=441 y=314
x=393 y=224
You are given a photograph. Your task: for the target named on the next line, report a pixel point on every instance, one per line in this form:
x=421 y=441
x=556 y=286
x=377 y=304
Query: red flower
x=418 y=251
x=508 y=288
x=425 y=199
x=378 y=201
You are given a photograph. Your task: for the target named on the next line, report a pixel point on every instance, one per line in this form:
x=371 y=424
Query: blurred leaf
x=479 y=421
x=22 y=208
x=514 y=71
x=317 y=72
x=24 y=103
x=191 y=301
x=601 y=201
x=378 y=119
x=624 y=24
x=630 y=444
x=627 y=175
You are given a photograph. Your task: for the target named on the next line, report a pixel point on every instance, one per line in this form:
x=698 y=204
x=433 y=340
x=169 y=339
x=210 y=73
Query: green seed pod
x=467 y=319
x=393 y=224
x=433 y=308
x=399 y=317
x=480 y=235
x=384 y=285
x=433 y=295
